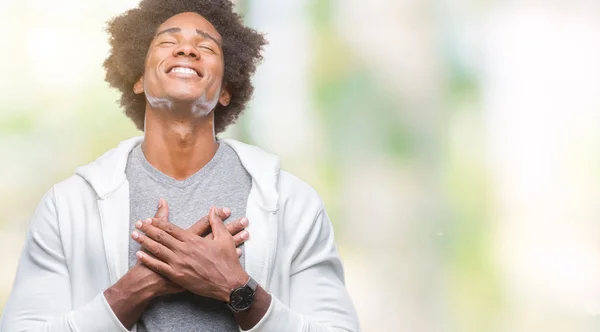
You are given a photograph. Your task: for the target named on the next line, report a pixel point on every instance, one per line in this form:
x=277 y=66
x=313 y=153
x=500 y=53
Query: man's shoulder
x=294 y=190
x=73 y=186
x=290 y=181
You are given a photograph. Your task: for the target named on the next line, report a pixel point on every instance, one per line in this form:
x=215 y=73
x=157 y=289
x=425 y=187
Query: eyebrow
x=199 y=32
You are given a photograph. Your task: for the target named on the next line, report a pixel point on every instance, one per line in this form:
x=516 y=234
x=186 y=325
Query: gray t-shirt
x=222 y=182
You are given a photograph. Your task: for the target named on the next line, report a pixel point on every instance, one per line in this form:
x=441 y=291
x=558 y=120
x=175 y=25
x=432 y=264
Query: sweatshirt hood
x=107 y=173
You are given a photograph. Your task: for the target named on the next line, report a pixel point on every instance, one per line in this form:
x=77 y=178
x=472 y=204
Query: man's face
x=184 y=65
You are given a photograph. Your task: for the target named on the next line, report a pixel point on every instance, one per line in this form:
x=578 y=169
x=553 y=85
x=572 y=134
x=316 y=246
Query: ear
x=138 y=87
x=225 y=97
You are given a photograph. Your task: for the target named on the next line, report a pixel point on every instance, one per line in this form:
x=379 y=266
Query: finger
x=239 y=252
x=233 y=227
x=157 y=234
x=163 y=210
x=237 y=226
x=169 y=228
x=156 y=249
x=241 y=237
x=223 y=212
x=202 y=226
x=155 y=264
x=216 y=224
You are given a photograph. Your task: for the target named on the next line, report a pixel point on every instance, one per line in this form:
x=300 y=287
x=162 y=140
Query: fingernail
x=244 y=235
x=239 y=251
x=244 y=221
x=138 y=224
x=160 y=203
x=139 y=254
x=148 y=221
x=135 y=235
x=226 y=210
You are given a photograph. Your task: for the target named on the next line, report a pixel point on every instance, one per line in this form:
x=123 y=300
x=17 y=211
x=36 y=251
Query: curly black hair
x=131 y=33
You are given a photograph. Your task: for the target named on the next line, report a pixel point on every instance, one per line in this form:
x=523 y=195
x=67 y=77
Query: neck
x=178 y=147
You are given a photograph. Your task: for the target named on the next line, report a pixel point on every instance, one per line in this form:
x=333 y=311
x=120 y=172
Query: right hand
x=164 y=286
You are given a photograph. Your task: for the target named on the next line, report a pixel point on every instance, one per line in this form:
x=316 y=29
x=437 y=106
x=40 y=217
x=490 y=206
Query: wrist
x=247 y=319
x=137 y=284
x=126 y=304
x=238 y=280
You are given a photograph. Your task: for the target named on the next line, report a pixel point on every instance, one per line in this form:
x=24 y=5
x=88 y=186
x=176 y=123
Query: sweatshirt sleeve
x=319 y=301
x=40 y=299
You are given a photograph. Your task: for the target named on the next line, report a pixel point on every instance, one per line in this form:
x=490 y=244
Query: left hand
x=209 y=268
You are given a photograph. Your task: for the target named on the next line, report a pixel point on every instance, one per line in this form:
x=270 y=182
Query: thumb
x=163 y=210
x=216 y=224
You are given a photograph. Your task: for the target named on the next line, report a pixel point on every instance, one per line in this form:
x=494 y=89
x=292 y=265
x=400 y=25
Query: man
x=116 y=246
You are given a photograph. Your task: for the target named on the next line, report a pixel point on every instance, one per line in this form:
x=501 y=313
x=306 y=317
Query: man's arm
x=40 y=299
x=319 y=301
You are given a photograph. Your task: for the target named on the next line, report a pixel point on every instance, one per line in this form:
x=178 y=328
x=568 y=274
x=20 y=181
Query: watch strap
x=252 y=284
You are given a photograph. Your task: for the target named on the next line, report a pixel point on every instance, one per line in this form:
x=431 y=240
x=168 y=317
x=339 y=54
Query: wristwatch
x=241 y=298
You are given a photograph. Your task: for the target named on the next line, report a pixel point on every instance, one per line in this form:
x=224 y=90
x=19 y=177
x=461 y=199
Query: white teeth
x=183 y=70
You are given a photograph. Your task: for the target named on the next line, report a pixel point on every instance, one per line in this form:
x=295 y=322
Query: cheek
x=153 y=60
x=216 y=65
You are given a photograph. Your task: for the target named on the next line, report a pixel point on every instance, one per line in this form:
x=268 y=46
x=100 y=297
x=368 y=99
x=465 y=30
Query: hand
x=130 y=295
x=162 y=285
x=207 y=268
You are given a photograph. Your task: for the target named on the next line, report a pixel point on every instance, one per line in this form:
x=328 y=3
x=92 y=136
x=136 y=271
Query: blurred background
x=455 y=144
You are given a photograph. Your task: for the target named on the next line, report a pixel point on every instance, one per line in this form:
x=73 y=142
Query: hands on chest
x=202 y=259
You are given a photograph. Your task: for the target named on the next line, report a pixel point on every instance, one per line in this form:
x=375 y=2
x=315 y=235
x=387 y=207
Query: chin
x=184 y=94
x=196 y=105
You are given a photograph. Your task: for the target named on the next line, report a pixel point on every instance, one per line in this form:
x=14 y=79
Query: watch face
x=241 y=298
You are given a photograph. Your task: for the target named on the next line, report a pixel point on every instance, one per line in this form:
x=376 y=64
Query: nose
x=185 y=49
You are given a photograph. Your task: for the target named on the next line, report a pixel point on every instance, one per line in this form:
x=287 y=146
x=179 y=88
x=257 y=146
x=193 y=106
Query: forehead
x=190 y=21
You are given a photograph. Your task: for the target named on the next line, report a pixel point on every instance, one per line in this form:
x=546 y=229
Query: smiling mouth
x=184 y=71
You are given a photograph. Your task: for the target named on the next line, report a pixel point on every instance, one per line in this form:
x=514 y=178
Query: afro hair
x=131 y=33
